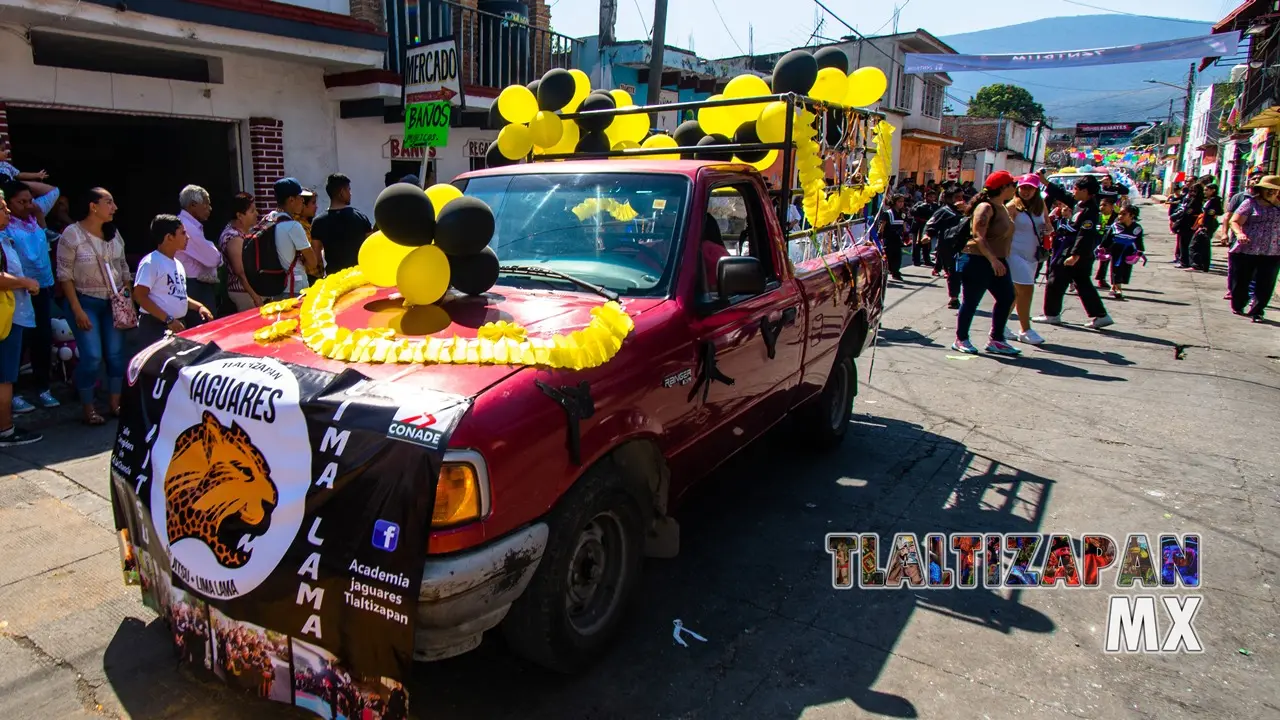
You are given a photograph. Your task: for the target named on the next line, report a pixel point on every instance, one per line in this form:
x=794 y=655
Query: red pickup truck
x=557 y=483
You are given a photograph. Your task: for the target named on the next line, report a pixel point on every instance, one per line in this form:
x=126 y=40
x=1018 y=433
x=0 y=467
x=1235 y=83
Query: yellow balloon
x=661 y=141
x=517 y=104
x=866 y=85
x=423 y=276
x=581 y=89
x=546 y=129
x=379 y=258
x=761 y=165
x=632 y=128
x=744 y=86
x=515 y=141
x=440 y=194
x=622 y=98
x=721 y=120
x=569 y=136
x=771 y=127
x=831 y=86
x=625 y=145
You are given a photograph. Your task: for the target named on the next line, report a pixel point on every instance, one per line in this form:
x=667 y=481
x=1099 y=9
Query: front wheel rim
x=597 y=568
x=839 y=395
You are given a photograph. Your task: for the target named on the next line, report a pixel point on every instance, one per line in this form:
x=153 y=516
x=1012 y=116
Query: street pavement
x=1166 y=422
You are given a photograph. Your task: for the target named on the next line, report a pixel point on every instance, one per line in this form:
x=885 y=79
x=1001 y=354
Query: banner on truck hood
x=1191 y=48
x=277 y=517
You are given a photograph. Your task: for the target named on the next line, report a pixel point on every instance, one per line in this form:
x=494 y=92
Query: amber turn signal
x=457 y=495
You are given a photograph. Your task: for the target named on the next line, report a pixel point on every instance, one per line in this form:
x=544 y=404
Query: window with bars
x=931 y=105
x=906 y=84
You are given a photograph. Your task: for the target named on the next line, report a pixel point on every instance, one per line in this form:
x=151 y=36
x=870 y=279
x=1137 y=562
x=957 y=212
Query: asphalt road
x=1166 y=422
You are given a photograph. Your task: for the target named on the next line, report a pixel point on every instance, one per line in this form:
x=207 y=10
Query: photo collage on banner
x=277 y=521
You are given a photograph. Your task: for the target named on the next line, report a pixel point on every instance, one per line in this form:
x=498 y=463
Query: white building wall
x=341 y=7
x=455 y=159
x=360 y=148
x=252 y=87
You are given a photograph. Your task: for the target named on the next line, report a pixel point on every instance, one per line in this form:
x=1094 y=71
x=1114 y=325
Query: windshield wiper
x=537 y=271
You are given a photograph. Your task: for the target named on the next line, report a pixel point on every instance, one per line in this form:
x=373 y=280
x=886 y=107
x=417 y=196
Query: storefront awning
x=926 y=137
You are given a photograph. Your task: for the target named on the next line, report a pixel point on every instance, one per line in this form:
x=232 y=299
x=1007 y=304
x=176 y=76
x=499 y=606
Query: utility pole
x=1186 y=117
x=656 y=48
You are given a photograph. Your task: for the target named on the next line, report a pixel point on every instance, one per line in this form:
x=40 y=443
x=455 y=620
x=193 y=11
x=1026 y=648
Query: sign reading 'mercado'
x=432 y=72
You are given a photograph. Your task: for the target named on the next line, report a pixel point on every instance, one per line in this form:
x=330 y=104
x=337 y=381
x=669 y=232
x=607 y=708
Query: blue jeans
x=11 y=355
x=977 y=278
x=101 y=344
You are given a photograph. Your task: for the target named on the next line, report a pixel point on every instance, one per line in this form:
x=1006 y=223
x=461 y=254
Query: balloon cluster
x=429 y=240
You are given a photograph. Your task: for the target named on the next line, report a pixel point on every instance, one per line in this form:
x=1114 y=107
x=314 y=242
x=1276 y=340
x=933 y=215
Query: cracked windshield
x=615 y=230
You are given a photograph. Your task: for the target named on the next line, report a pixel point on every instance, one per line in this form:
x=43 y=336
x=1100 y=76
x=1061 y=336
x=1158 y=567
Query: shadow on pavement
x=1111 y=358
x=1121 y=335
x=1049 y=366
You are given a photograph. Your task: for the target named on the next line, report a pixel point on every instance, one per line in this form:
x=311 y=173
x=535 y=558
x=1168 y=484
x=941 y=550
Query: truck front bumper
x=464 y=595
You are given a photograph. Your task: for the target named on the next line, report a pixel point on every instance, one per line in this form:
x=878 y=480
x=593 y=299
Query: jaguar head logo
x=218 y=490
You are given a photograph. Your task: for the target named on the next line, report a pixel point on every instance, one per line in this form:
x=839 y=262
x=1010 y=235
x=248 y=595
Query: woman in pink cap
x=982 y=265
x=1030 y=226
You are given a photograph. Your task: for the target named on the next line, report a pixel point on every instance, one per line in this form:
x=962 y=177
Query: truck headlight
x=462 y=490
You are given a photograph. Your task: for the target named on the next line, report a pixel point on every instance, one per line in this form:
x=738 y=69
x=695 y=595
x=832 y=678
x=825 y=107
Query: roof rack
x=854 y=138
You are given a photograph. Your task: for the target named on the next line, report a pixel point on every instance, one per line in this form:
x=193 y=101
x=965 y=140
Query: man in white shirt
x=160 y=288
x=292 y=245
x=200 y=258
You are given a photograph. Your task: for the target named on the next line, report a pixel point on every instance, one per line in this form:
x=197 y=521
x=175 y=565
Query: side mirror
x=739 y=276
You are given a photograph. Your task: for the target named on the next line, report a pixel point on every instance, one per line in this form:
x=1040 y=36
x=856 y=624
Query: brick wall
x=370 y=11
x=978 y=133
x=266 y=149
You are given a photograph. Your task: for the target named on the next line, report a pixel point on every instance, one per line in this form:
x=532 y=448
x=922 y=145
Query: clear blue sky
x=720 y=28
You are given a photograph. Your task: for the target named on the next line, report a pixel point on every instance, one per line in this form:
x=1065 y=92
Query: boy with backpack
x=939 y=230
x=277 y=255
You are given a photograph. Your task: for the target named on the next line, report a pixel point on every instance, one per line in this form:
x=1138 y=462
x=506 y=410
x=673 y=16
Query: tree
x=1008 y=100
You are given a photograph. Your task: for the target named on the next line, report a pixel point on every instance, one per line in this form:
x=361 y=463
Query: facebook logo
x=385 y=535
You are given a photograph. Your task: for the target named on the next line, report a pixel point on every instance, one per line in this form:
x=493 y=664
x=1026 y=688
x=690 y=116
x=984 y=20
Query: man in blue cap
x=293 y=248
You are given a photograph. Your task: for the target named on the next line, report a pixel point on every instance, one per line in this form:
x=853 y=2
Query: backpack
x=261 y=262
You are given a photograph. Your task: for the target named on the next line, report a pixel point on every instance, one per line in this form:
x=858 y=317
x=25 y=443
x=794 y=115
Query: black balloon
x=465 y=226
x=688 y=133
x=714 y=139
x=593 y=142
x=596 y=101
x=747 y=134
x=474 y=274
x=533 y=87
x=493 y=157
x=555 y=89
x=496 y=121
x=795 y=73
x=404 y=214
x=832 y=57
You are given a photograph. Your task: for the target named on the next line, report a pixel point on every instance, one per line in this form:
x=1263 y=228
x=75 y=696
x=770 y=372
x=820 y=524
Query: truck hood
x=542 y=313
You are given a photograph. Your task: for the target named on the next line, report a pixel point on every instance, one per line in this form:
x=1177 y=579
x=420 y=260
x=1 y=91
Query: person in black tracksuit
x=1185 y=220
x=920 y=214
x=1107 y=215
x=948 y=215
x=1073 y=257
x=892 y=228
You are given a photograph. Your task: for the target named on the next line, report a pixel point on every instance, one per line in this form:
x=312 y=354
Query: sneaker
x=935 y=273
x=1048 y=319
x=965 y=347
x=1100 y=322
x=1258 y=318
x=1002 y=348
x=1030 y=337
x=1103 y=285
x=897 y=277
x=1224 y=297
x=21 y=406
x=1010 y=333
x=14 y=437
x=953 y=304
x=47 y=400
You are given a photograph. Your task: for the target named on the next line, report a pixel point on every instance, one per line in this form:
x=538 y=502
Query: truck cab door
x=749 y=344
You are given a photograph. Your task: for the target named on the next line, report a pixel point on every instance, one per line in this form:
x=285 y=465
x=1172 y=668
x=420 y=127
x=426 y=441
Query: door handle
x=789 y=316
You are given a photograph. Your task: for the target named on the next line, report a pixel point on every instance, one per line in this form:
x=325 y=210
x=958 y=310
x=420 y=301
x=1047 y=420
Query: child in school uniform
x=160 y=288
x=1124 y=241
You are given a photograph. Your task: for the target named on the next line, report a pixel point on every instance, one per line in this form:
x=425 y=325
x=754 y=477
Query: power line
x=860 y=36
x=639 y=12
x=896 y=10
x=726 y=27
x=1104 y=9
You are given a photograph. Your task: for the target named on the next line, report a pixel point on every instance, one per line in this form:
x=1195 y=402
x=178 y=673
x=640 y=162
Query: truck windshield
x=616 y=230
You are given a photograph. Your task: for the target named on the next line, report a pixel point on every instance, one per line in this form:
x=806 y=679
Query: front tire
x=824 y=421
x=588 y=574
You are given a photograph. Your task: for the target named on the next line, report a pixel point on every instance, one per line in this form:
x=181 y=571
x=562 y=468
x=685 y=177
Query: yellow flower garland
x=496 y=343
